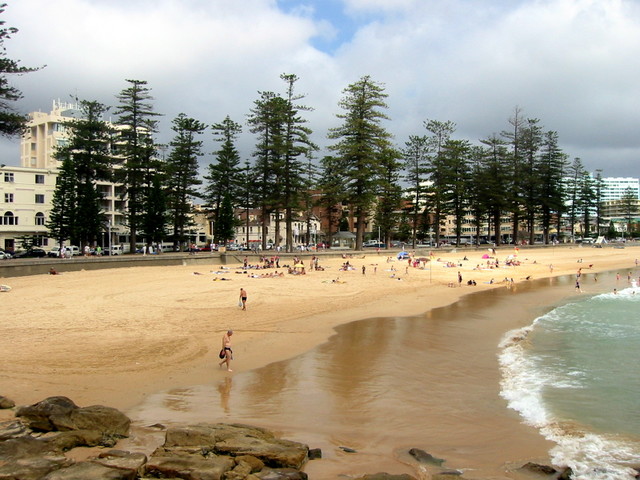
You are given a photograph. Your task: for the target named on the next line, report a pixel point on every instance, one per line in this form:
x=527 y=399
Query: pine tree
x=267 y=121
x=416 y=154
x=332 y=188
x=182 y=173
x=297 y=144
x=11 y=122
x=136 y=146
x=224 y=175
x=389 y=200
x=437 y=170
x=62 y=218
x=361 y=143
x=88 y=153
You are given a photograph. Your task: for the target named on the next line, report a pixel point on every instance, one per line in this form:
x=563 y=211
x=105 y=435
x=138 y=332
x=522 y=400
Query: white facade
x=25 y=203
x=614 y=188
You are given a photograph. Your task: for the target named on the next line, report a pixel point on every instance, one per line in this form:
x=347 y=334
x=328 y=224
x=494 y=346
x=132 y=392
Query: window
x=8 y=177
x=39 y=218
x=8 y=198
x=40 y=179
x=9 y=219
x=39 y=198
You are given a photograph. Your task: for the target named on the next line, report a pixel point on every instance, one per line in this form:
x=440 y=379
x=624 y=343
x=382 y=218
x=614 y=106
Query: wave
x=591 y=456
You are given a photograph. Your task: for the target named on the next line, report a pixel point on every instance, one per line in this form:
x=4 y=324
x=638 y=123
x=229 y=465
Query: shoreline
x=286 y=317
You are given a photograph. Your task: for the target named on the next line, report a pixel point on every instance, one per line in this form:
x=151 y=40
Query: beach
x=125 y=337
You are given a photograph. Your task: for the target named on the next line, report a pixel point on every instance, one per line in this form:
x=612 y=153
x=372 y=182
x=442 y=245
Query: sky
x=572 y=64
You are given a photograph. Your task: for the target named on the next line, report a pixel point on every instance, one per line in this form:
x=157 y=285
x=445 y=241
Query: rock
x=237 y=440
x=12 y=429
x=107 y=420
x=447 y=475
x=37 y=416
x=386 y=476
x=191 y=467
x=64 y=441
x=6 y=403
x=348 y=450
x=281 y=474
x=90 y=471
x=27 y=458
x=24 y=447
x=314 y=453
x=60 y=413
x=255 y=463
x=32 y=468
x=424 y=457
x=122 y=460
x=538 y=468
x=566 y=474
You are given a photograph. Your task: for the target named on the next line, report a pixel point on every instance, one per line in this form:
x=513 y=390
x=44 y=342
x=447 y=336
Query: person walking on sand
x=243 y=298
x=226 y=347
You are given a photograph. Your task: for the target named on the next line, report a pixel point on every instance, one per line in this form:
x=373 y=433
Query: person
x=243 y=298
x=226 y=348
x=53 y=271
x=459 y=279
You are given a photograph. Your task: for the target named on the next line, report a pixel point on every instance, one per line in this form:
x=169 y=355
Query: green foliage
x=361 y=141
x=86 y=159
x=224 y=177
x=182 y=173
x=136 y=149
x=11 y=122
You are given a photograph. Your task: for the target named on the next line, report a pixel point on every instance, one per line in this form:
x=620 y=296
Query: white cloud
x=571 y=63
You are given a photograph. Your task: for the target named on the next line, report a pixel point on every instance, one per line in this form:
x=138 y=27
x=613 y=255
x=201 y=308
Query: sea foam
x=591 y=456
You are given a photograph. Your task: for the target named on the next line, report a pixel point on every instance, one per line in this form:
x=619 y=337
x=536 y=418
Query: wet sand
x=145 y=339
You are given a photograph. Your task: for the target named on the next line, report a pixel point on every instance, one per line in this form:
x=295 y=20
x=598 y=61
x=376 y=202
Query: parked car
x=374 y=245
x=4 y=255
x=69 y=250
x=31 y=253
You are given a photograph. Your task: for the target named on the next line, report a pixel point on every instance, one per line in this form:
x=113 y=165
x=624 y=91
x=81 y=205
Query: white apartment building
x=25 y=203
x=614 y=188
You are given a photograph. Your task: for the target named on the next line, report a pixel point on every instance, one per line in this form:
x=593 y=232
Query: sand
x=117 y=336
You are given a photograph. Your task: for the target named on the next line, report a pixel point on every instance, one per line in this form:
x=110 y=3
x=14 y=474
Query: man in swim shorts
x=226 y=347
x=243 y=298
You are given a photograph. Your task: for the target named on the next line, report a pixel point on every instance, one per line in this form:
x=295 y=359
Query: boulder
x=107 y=420
x=280 y=474
x=236 y=440
x=24 y=447
x=38 y=416
x=189 y=467
x=64 y=441
x=538 y=468
x=60 y=413
x=32 y=468
x=12 y=429
x=122 y=460
x=90 y=471
x=6 y=403
x=424 y=457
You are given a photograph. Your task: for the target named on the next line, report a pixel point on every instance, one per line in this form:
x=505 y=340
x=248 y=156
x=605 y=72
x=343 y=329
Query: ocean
x=573 y=374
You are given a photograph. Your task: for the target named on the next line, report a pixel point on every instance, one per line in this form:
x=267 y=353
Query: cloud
x=570 y=63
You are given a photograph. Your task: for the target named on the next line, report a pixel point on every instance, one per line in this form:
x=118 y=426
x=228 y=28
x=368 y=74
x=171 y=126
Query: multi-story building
x=614 y=188
x=25 y=203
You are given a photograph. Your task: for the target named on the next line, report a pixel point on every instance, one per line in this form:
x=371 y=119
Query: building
x=26 y=195
x=614 y=188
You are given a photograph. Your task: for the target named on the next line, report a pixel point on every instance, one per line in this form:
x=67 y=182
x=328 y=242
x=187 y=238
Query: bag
x=222 y=354
x=239 y=303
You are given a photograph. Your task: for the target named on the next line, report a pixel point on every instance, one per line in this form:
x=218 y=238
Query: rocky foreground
x=33 y=446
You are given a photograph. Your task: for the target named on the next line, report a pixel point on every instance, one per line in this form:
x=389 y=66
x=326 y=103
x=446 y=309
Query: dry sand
x=116 y=336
